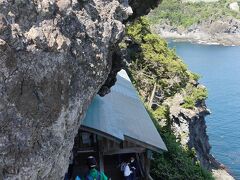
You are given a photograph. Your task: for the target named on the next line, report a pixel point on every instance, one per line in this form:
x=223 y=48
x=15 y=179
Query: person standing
x=93 y=173
x=126 y=171
x=134 y=168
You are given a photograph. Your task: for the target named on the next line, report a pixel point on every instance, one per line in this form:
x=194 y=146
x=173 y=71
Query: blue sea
x=219 y=67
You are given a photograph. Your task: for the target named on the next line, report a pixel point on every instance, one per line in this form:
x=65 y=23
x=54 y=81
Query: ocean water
x=219 y=67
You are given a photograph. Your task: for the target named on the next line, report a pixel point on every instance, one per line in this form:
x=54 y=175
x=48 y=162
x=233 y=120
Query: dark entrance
x=112 y=165
x=85 y=145
x=108 y=153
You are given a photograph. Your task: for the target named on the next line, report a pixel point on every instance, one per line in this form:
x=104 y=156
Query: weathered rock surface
x=225 y=31
x=234 y=6
x=189 y=127
x=54 y=57
x=221 y=174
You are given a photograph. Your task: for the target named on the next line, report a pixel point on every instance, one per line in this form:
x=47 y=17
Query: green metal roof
x=122 y=115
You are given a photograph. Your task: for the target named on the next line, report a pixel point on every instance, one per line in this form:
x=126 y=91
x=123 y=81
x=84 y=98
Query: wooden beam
x=143 y=144
x=100 y=133
x=85 y=151
x=125 y=151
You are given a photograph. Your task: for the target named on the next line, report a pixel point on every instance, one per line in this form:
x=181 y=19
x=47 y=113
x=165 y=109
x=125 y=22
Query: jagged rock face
x=140 y=8
x=54 y=57
x=189 y=127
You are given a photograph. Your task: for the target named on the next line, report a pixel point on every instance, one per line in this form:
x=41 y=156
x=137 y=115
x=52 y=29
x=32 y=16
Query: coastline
x=191 y=131
x=224 y=31
x=223 y=39
x=219 y=170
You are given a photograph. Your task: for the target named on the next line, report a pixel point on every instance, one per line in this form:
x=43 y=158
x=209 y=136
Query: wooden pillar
x=147 y=159
x=101 y=162
x=100 y=154
x=1 y=172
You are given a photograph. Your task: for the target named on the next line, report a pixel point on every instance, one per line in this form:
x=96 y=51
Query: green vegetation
x=154 y=61
x=178 y=162
x=193 y=96
x=186 y=14
x=161 y=112
x=194 y=76
x=153 y=64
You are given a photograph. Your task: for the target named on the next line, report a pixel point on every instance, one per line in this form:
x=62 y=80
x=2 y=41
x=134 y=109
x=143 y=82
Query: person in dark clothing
x=134 y=168
x=93 y=173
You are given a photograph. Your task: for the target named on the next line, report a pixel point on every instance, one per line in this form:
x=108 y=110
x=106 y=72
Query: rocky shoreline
x=189 y=126
x=202 y=38
x=224 y=31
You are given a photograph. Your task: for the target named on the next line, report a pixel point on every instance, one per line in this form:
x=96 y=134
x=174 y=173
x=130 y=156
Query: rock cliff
x=200 y=21
x=224 y=31
x=189 y=126
x=54 y=57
